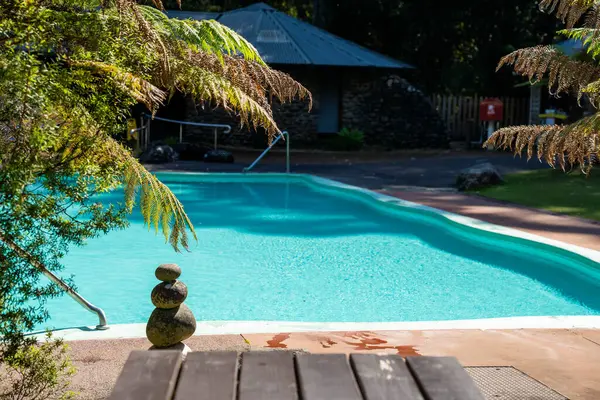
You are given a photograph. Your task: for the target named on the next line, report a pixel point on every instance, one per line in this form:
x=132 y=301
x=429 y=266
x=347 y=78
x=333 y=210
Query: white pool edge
x=123 y=331
x=136 y=331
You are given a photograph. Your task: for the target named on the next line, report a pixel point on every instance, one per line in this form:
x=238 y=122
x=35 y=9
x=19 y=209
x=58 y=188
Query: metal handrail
x=283 y=134
x=227 y=128
x=102 y=324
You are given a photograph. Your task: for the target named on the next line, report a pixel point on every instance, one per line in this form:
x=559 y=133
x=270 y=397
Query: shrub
x=347 y=140
x=40 y=371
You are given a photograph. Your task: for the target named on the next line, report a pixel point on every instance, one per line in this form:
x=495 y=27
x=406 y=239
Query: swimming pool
x=299 y=248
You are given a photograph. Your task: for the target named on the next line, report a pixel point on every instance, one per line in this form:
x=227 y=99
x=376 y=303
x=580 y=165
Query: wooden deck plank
x=208 y=376
x=384 y=377
x=326 y=377
x=443 y=378
x=149 y=375
x=268 y=375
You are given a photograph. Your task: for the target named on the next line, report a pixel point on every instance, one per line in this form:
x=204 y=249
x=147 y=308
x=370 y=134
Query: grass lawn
x=553 y=190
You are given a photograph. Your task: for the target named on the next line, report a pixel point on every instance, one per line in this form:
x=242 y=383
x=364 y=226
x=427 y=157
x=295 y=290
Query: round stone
x=167 y=272
x=168 y=327
x=169 y=294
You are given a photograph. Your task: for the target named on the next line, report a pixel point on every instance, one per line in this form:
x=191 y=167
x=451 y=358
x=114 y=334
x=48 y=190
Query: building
x=352 y=86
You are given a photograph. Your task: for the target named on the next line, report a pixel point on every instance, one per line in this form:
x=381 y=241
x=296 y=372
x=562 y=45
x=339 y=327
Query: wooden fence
x=461 y=114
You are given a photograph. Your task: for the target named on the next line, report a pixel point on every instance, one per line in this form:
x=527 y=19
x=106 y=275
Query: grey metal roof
x=282 y=39
x=199 y=15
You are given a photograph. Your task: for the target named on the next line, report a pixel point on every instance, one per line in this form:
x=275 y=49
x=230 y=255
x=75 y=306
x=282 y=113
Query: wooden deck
x=282 y=375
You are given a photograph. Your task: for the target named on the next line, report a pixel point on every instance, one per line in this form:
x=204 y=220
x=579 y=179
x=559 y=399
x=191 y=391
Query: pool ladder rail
x=102 y=324
x=283 y=135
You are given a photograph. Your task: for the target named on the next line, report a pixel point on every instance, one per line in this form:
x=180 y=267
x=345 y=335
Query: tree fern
x=70 y=72
x=139 y=53
x=577 y=143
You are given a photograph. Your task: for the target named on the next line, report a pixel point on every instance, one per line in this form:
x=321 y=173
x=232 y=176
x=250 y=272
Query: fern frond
x=136 y=87
x=590 y=37
x=575 y=144
x=254 y=79
x=564 y=74
x=152 y=37
x=568 y=11
x=158 y=205
x=592 y=18
x=208 y=35
x=209 y=86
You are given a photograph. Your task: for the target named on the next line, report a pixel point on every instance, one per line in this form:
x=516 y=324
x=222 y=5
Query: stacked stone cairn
x=171 y=322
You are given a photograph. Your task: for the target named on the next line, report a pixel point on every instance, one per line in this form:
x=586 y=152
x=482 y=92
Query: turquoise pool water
x=284 y=249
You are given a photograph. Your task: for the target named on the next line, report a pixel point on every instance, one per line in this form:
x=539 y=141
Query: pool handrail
x=286 y=136
x=102 y=323
x=226 y=128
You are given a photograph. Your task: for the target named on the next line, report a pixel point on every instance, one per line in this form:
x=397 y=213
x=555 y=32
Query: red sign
x=491 y=110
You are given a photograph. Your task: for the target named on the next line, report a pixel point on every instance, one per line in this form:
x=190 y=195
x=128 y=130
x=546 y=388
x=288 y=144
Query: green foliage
x=41 y=371
x=572 y=193
x=347 y=139
x=351 y=135
x=564 y=145
x=70 y=72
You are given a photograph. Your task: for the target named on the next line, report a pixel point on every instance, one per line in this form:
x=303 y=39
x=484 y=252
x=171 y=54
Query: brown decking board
x=281 y=375
x=208 y=376
x=148 y=375
x=384 y=377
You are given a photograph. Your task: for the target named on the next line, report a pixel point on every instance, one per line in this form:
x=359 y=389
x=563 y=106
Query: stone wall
x=390 y=111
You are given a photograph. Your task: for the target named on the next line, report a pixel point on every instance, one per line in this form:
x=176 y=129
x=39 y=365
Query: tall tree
x=579 y=142
x=454 y=45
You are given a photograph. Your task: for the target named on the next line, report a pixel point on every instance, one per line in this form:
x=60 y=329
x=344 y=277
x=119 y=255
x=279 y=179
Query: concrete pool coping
x=206 y=328
x=241 y=327
x=564 y=360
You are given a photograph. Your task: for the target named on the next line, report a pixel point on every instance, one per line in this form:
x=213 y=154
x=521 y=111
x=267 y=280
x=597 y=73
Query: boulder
x=169 y=294
x=218 y=156
x=159 y=154
x=478 y=176
x=169 y=327
x=167 y=272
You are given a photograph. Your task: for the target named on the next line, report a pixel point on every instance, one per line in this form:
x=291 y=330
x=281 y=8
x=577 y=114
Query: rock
x=169 y=327
x=478 y=176
x=169 y=294
x=158 y=154
x=167 y=272
x=218 y=156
